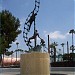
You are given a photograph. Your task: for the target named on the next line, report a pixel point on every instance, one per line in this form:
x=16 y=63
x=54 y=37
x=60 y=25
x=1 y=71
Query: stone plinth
x=35 y=64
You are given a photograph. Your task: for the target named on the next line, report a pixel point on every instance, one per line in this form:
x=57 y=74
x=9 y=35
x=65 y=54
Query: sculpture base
x=35 y=63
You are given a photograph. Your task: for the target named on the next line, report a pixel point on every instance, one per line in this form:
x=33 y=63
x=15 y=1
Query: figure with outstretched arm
x=34 y=36
x=32 y=18
x=42 y=42
x=28 y=23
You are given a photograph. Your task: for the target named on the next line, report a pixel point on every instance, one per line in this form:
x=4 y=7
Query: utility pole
x=54 y=54
x=67 y=48
x=16 y=50
x=48 y=45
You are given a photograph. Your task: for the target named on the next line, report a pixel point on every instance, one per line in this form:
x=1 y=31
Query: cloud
x=56 y=35
x=22 y=20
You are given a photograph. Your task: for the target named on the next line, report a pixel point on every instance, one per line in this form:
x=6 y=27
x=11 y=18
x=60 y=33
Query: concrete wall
x=35 y=64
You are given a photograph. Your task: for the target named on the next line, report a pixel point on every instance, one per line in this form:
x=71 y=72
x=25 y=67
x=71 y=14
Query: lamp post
x=72 y=47
x=16 y=50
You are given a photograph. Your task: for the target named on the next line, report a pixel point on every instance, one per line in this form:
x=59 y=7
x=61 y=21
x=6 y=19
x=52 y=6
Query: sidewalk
x=63 y=72
x=10 y=73
x=16 y=71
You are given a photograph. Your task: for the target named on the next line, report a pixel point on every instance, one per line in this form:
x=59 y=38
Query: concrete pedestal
x=35 y=64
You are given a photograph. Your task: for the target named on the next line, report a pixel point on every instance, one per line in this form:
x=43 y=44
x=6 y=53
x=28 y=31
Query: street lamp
x=16 y=50
x=72 y=47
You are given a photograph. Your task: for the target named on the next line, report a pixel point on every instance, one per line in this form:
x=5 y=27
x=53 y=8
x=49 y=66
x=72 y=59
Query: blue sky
x=55 y=17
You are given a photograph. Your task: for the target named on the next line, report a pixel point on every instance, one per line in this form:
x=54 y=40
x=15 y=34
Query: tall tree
x=9 y=30
x=63 y=47
x=72 y=47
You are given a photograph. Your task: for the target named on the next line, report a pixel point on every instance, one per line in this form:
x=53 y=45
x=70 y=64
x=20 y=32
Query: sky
x=55 y=18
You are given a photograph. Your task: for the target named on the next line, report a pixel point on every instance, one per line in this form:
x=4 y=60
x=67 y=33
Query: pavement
x=16 y=71
x=10 y=73
x=63 y=72
x=52 y=73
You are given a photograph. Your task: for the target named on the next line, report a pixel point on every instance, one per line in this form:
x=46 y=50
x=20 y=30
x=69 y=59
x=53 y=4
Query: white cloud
x=22 y=20
x=67 y=34
x=56 y=35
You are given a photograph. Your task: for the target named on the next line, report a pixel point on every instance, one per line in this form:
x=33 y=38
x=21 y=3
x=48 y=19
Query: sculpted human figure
x=34 y=36
x=32 y=18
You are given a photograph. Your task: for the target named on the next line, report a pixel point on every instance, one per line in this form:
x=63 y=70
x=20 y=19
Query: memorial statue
x=30 y=19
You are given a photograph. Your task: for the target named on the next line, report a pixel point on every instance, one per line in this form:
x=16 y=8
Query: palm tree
x=63 y=47
x=53 y=46
x=59 y=55
x=72 y=32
